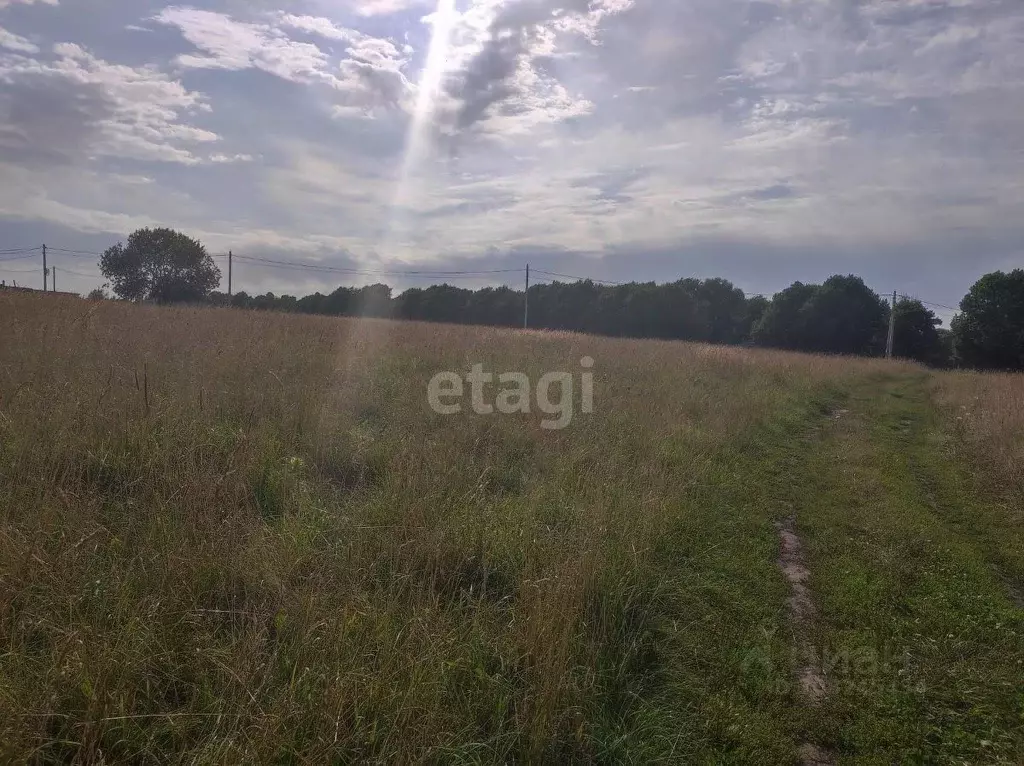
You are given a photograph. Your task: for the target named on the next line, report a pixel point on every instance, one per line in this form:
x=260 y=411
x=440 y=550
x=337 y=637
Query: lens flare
x=428 y=89
x=368 y=333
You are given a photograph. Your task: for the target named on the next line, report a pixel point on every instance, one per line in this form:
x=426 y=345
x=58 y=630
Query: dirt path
x=802 y=611
x=907 y=641
x=802 y=614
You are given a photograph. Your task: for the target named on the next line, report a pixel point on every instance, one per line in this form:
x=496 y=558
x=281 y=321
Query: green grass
x=234 y=538
x=921 y=641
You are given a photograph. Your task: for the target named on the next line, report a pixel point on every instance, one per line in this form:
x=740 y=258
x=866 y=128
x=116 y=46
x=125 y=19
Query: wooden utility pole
x=230 y=259
x=526 y=302
x=53 y=283
x=892 y=328
x=44 y=268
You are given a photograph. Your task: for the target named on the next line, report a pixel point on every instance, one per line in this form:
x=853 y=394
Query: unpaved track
x=906 y=639
x=802 y=614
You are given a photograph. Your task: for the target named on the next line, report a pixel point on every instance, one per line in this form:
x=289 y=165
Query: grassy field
x=232 y=537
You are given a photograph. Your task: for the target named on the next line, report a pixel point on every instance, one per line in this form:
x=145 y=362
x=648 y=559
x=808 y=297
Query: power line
x=581 y=279
x=78 y=273
x=936 y=305
x=21 y=253
x=344 y=269
x=72 y=252
x=18 y=257
x=368 y=272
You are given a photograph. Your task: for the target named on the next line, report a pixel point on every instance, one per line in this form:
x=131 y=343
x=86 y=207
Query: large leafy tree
x=757 y=305
x=843 y=316
x=161 y=265
x=989 y=331
x=723 y=307
x=917 y=334
x=783 y=324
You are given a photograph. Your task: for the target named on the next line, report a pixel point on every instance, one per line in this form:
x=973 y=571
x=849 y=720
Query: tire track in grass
x=920 y=644
x=727 y=693
x=802 y=613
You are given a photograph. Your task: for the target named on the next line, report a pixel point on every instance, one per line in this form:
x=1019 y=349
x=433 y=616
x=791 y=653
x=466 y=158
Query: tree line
x=842 y=315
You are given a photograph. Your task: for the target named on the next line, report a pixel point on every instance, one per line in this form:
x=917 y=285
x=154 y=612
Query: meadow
x=237 y=537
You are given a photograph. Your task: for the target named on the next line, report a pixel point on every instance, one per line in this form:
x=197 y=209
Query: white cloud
x=384 y=7
x=229 y=44
x=318 y=25
x=5 y=3
x=953 y=35
x=369 y=79
x=13 y=42
x=496 y=82
x=224 y=158
x=134 y=112
x=587 y=125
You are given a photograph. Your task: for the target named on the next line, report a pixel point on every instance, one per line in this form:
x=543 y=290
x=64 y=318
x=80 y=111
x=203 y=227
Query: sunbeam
x=369 y=333
x=443 y=19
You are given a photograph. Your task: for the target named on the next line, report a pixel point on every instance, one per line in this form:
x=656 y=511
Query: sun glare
x=416 y=141
x=428 y=88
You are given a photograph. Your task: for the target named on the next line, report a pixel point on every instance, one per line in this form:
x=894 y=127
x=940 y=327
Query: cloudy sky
x=760 y=140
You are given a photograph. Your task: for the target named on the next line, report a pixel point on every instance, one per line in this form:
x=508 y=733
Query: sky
x=764 y=141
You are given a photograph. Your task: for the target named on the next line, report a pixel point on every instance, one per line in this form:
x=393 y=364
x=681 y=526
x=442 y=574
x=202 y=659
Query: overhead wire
x=270 y=262
x=18 y=257
x=21 y=253
x=937 y=305
x=77 y=273
x=581 y=279
x=73 y=253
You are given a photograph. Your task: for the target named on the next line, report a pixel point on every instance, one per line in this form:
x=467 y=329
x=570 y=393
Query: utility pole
x=526 y=304
x=53 y=284
x=892 y=328
x=230 y=259
x=44 y=268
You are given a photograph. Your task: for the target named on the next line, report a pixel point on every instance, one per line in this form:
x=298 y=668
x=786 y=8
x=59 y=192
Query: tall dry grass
x=987 y=410
x=236 y=537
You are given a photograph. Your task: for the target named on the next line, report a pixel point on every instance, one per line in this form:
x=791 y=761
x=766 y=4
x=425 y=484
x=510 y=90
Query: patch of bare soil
x=802 y=612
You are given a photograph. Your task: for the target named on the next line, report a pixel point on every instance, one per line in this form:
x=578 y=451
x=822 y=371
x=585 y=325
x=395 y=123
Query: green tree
x=916 y=334
x=841 y=316
x=783 y=323
x=844 y=316
x=723 y=307
x=947 y=345
x=757 y=305
x=161 y=265
x=989 y=331
x=373 y=301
